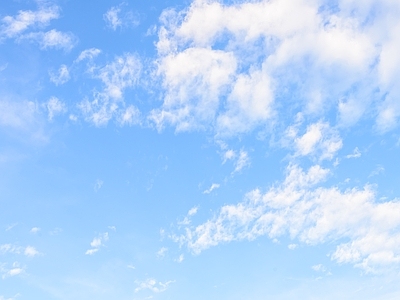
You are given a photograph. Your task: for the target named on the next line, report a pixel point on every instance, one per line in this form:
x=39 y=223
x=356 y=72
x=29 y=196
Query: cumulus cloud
x=364 y=229
x=229 y=67
x=319 y=140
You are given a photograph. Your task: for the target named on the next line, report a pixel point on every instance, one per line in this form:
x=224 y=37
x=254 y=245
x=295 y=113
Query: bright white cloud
x=229 y=66
x=152 y=285
x=366 y=230
x=319 y=140
x=61 y=77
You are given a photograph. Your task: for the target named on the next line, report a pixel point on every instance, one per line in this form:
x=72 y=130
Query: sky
x=199 y=149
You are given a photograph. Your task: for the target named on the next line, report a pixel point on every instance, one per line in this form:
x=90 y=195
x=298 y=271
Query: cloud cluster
x=13 y=249
x=233 y=67
x=116 y=76
x=366 y=231
x=27 y=25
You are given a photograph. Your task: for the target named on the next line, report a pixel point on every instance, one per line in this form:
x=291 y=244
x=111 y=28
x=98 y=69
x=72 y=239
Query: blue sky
x=199 y=150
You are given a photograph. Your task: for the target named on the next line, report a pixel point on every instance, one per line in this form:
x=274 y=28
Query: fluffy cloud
x=365 y=230
x=229 y=67
x=319 y=140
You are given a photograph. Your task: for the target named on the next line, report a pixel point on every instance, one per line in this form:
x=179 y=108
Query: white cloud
x=25 y=19
x=55 y=107
x=152 y=285
x=180 y=259
x=52 y=39
x=365 y=230
x=161 y=253
x=130 y=116
x=319 y=140
x=292 y=246
x=356 y=153
x=187 y=219
x=35 y=230
x=122 y=73
x=228 y=155
x=242 y=161
x=116 y=18
x=212 y=187
x=14 y=272
x=13 y=249
x=97 y=243
x=31 y=251
x=61 y=77
x=88 y=54
x=112 y=19
x=251 y=57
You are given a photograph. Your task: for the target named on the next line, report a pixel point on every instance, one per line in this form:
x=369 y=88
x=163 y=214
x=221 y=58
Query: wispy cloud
x=356 y=153
x=118 y=17
x=152 y=285
x=13 y=26
x=61 y=77
x=13 y=249
x=213 y=186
